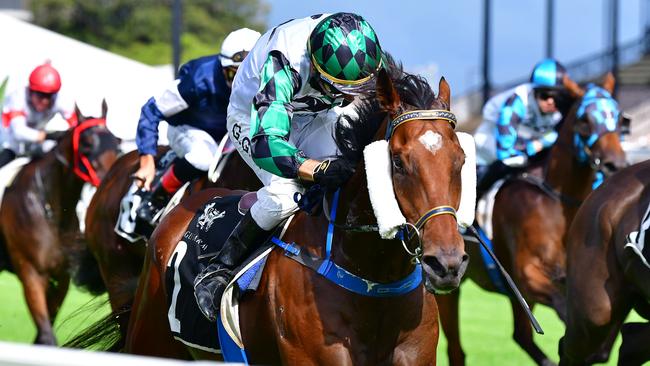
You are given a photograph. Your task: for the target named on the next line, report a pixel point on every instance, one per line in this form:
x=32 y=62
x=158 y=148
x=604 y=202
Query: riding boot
x=152 y=203
x=6 y=156
x=210 y=284
x=495 y=171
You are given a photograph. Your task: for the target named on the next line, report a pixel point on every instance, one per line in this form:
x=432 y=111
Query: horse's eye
x=398 y=165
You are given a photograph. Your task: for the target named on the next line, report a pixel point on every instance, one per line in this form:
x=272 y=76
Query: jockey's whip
x=511 y=283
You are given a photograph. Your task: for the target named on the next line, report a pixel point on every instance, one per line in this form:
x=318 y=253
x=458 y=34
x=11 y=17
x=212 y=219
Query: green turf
x=16 y=325
x=486 y=324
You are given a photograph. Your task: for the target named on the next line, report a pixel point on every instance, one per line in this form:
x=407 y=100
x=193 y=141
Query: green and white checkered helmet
x=346 y=52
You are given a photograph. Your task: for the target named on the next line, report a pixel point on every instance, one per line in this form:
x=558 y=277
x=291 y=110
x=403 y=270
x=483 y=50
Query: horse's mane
x=353 y=133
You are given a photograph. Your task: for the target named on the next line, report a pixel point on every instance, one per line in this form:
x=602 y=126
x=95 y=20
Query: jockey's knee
x=272 y=207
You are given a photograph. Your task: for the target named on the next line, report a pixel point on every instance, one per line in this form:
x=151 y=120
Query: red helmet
x=45 y=79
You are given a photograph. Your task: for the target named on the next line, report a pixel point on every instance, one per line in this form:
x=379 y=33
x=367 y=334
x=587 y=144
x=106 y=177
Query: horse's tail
x=104 y=335
x=85 y=270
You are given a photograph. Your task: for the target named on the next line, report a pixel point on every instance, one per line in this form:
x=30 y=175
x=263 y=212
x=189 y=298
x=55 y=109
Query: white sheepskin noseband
x=382 y=195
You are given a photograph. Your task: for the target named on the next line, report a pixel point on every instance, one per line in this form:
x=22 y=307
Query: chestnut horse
x=531 y=217
x=604 y=280
x=119 y=261
x=299 y=317
x=39 y=224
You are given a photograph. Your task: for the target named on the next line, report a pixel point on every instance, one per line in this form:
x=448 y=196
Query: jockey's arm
x=156 y=109
x=271 y=118
x=545 y=141
x=512 y=113
x=23 y=133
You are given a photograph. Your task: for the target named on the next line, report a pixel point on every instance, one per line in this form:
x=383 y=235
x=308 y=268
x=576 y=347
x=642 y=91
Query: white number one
x=179 y=253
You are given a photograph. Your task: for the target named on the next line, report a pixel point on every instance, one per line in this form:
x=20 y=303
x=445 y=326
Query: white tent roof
x=88 y=73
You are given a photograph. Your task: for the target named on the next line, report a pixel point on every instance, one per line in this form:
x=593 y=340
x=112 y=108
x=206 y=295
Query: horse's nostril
x=465 y=258
x=435 y=265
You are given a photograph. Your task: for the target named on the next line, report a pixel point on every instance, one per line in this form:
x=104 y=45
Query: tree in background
x=141 y=29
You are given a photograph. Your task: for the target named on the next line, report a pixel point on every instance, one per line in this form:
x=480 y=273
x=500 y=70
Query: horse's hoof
x=548 y=362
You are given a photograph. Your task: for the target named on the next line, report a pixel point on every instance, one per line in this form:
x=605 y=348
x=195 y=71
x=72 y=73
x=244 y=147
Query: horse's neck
x=565 y=174
x=366 y=254
x=62 y=190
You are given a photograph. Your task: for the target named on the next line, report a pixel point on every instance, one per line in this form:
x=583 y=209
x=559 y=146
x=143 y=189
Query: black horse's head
x=90 y=148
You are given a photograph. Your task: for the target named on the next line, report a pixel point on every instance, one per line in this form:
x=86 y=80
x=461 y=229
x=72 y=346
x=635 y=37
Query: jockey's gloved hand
x=55 y=135
x=329 y=174
x=516 y=161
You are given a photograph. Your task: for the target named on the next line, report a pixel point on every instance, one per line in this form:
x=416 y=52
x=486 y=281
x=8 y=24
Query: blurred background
x=127 y=50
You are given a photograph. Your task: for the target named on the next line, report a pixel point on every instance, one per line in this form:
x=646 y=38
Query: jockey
x=194 y=106
x=283 y=109
x=26 y=112
x=519 y=123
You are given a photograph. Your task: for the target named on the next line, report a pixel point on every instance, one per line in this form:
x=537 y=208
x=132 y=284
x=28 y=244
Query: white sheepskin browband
x=382 y=195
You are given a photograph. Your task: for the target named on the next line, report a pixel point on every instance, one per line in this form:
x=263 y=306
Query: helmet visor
x=350 y=87
x=234 y=60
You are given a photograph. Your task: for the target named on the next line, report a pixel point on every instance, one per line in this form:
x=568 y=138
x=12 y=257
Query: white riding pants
x=193 y=144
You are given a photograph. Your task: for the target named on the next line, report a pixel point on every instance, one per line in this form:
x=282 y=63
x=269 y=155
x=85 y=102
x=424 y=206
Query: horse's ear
x=444 y=92
x=573 y=87
x=77 y=112
x=386 y=93
x=609 y=82
x=104 y=108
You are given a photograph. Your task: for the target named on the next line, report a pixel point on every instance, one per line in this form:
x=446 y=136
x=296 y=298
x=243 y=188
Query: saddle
x=205 y=235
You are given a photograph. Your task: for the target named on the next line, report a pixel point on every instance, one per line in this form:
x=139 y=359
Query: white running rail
x=13 y=354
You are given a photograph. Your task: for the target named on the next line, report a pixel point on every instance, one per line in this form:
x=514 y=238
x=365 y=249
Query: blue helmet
x=548 y=73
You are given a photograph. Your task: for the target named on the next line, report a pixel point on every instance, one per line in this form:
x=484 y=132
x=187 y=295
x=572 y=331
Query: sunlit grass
x=486 y=323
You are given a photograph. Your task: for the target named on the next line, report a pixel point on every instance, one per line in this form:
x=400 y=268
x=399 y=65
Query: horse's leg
x=34 y=287
x=448 y=308
x=596 y=308
x=634 y=349
x=523 y=334
x=56 y=290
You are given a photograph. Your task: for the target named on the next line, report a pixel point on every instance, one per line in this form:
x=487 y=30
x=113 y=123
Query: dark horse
x=531 y=217
x=38 y=220
x=118 y=260
x=299 y=317
x=604 y=280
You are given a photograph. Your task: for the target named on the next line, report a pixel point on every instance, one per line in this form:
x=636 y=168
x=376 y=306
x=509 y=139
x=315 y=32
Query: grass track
x=486 y=324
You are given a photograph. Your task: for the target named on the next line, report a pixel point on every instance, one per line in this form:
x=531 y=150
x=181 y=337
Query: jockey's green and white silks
x=272 y=86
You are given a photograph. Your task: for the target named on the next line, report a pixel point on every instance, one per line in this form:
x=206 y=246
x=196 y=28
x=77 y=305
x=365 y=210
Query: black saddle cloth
x=206 y=233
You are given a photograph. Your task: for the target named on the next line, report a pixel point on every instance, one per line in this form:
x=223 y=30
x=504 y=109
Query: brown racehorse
x=299 y=317
x=38 y=219
x=530 y=222
x=604 y=280
x=118 y=260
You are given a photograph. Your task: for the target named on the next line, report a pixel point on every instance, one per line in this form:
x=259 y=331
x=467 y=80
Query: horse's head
x=596 y=127
x=426 y=172
x=90 y=148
